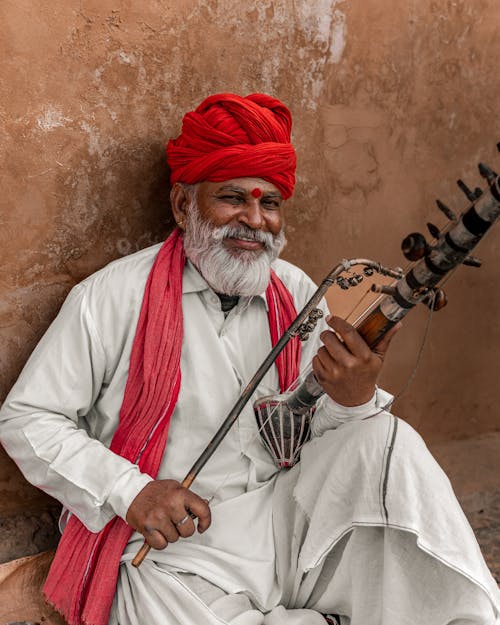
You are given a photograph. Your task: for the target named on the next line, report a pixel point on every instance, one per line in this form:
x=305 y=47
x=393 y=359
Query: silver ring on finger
x=183 y=520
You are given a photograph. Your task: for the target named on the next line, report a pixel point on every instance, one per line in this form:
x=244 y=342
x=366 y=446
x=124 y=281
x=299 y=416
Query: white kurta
x=60 y=417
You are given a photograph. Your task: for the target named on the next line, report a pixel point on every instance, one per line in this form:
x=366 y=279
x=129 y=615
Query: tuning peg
x=414 y=246
x=315 y=314
x=472 y=261
x=436 y=299
x=355 y=279
x=434 y=230
x=447 y=211
x=487 y=172
x=472 y=196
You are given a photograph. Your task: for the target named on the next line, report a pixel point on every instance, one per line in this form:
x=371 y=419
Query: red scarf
x=82 y=580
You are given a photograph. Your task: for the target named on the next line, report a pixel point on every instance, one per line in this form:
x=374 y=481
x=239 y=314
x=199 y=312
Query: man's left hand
x=346 y=367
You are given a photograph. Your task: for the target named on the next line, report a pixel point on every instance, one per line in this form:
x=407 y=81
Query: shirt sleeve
x=329 y=414
x=42 y=421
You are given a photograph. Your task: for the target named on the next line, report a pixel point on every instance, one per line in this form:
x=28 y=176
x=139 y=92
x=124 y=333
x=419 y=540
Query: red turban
x=229 y=136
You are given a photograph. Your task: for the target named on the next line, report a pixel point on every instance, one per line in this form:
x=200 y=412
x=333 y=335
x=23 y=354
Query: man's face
x=233 y=232
x=250 y=202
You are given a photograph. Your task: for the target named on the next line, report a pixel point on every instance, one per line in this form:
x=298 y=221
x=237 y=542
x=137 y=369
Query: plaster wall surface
x=392 y=102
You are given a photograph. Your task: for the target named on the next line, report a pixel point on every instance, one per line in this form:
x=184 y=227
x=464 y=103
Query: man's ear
x=179 y=201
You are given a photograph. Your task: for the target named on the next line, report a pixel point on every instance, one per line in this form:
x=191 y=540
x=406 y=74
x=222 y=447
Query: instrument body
x=287 y=417
x=283 y=431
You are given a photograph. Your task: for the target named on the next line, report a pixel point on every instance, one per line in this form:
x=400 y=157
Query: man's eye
x=233 y=199
x=270 y=203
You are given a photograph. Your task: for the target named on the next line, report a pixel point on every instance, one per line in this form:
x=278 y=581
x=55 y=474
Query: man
x=159 y=344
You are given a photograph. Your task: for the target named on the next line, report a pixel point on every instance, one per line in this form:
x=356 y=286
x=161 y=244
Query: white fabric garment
x=60 y=417
x=348 y=540
x=333 y=549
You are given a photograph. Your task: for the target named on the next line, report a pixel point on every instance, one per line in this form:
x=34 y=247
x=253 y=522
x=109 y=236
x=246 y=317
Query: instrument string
x=416 y=365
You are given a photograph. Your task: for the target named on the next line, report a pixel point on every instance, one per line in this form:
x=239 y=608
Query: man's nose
x=252 y=215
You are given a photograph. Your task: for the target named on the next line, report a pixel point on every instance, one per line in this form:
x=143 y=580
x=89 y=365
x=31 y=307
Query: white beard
x=238 y=272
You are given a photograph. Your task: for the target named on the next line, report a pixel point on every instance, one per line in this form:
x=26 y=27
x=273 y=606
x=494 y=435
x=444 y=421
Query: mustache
x=243 y=232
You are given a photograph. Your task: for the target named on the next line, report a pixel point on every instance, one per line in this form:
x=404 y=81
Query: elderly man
x=143 y=363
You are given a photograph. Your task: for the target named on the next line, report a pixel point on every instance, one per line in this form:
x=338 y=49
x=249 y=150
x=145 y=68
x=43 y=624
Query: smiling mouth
x=244 y=243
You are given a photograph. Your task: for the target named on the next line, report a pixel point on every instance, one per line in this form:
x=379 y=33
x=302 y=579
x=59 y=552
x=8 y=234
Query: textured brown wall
x=392 y=102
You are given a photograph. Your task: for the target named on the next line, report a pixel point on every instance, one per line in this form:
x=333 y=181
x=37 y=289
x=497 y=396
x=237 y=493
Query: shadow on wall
x=114 y=205
x=106 y=209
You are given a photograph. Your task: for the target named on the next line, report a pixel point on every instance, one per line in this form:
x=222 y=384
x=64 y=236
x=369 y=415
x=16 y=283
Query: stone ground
x=486 y=524
x=473 y=467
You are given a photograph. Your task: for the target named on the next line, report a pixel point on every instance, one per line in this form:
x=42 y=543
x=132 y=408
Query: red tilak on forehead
x=256 y=192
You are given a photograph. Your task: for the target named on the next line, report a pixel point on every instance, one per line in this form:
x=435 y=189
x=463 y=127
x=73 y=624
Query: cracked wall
x=392 y=102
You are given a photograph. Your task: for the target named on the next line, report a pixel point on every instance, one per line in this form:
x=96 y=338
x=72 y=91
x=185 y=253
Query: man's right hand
x=158 y=508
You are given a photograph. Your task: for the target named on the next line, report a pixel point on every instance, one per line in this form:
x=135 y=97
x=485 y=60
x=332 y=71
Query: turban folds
x=229 y=136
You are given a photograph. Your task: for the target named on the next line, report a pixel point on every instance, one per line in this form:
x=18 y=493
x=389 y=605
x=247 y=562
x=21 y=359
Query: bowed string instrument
x=284 y=419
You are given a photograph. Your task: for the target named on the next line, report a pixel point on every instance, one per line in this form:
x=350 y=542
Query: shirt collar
x=194 y=282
